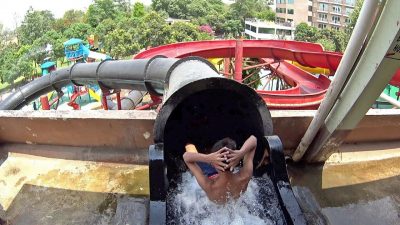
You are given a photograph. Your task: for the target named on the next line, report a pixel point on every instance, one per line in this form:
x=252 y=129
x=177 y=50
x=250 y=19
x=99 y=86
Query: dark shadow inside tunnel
x=205 y=117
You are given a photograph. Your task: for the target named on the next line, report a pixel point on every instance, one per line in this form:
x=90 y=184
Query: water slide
x=307 y=90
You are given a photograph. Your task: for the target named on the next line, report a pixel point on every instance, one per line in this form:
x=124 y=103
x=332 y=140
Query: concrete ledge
x=112 y=129
x=133 y=130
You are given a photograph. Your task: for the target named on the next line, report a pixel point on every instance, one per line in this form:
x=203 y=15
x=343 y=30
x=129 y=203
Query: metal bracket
x=158 y=185
x=280 y=178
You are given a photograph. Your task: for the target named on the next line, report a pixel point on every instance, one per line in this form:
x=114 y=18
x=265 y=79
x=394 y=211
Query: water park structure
x=338 y=164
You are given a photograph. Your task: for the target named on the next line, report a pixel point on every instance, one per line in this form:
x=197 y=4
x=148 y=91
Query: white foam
x=191 y=206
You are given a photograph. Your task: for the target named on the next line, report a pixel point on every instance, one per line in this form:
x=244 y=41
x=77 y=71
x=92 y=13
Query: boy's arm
x=247 y=153
x=247 y=170
x=216 y=159
x=203 y=181
x=190 y=157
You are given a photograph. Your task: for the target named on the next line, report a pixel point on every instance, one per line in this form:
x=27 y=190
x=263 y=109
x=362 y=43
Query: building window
x=290 y=20
x=335 y=28
x=336 y=19
x=280 y=1
x=290 y=11
x=290 y=1
x=348 y=11
x=350 y=2
x=310 y=8
x=281 y=10
x=283 y=32
x=323 y=7
x=348 y=20
x=323 y=16
x=280 y=20
x=247 y=26
x=264 y=30
x=336 y=9
x=322 y=26
x=309 y=18
x=253 y=28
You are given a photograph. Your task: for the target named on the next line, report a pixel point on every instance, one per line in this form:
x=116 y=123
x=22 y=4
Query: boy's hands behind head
x=217 y=159
x=234 y=157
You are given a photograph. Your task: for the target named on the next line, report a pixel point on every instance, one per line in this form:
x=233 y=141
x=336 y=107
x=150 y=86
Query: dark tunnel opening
x=205 y=117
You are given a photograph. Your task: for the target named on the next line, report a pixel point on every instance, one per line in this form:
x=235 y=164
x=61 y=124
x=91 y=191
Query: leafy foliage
x=34 y=25
x=78 y=30
x=121 y=43
x=331 y=39
x=138 y=10
x=101 y=10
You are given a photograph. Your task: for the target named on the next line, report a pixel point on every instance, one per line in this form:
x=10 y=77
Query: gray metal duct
x=140 y=74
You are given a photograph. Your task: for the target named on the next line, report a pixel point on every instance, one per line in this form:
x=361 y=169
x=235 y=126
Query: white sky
x=12 y=12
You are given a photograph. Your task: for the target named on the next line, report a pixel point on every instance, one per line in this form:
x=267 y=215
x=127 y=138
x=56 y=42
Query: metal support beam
x=357 y=41
x=376 y=67
x=227 y=67
x=238 y=60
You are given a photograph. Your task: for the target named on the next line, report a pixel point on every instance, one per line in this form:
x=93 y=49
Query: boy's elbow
x=253 y=140
x=185 y=157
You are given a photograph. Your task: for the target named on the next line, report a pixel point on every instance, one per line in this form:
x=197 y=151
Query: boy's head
x=226 y=142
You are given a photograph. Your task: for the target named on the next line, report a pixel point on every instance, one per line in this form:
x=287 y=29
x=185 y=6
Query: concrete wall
x=73 y=134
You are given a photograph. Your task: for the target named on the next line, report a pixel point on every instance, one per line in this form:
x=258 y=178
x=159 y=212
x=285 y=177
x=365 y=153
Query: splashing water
x=188 y=204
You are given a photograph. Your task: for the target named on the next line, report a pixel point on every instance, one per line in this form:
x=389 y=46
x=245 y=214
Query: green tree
x=183 y=31
x=34 y=25
x=15 y=62
x=354 y=16
x=138 y=10
x=121 y=44
x=327 y=44
x=267 y=14
x=78 y=30
x=154 y=31
x=174 y=8
x=23 y=66
x=53 y=38
x=100 y=10
x=123 y=6
x=338 y=38
x=107 y=26
x=243 y=9
x=307 y=33
x=70 y=17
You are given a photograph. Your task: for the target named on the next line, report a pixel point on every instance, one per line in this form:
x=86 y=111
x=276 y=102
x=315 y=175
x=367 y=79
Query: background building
x=294 y=11
x=262 y=30
x=334 y=14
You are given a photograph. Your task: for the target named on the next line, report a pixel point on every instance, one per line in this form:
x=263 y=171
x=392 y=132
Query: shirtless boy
x=222 y=184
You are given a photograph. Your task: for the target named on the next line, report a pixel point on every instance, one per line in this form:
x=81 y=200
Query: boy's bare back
x=226 y=185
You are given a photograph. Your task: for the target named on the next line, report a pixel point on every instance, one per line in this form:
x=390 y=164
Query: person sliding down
x=220 y=183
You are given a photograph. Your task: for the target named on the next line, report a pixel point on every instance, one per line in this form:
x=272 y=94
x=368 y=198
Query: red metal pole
x=119 y=100
x=104 y=101
x=238 y=60
x=45 y=102
x=227 y=65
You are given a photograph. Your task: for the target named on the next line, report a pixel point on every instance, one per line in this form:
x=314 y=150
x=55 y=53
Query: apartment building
x=324 y=14
x=264 y=30
x=332 y=14
x=294 y=11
